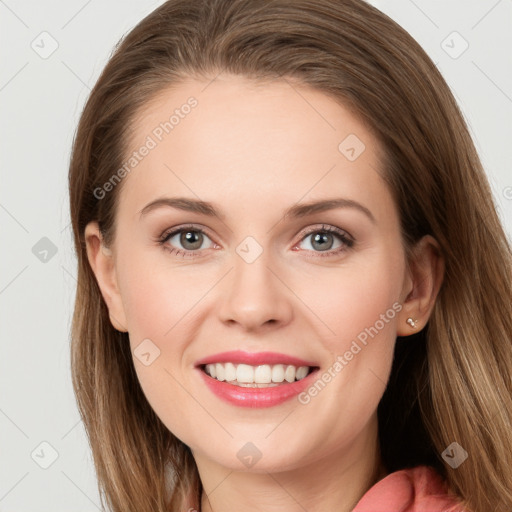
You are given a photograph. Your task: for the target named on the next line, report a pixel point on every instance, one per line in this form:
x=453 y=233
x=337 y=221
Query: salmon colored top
x=418 y=489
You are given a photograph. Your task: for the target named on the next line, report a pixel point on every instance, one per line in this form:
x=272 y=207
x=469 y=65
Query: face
x=283 y=284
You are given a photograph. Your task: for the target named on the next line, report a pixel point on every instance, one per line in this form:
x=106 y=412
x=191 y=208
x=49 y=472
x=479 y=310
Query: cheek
x=361 y=314
x=354 y=300
x=159 y=307
x=157 y=299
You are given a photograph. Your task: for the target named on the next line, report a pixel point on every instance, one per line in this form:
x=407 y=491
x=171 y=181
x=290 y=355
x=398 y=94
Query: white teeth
x=219 y=372
x=263 y=374
x=229 y=372
x=244 y=374
x=277 y=373
x=289 y=373
x=301 y=372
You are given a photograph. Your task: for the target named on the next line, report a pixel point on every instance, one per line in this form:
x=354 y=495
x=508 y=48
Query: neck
x=335 y=481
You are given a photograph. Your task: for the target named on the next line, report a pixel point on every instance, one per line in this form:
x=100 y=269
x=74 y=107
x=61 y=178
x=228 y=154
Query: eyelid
x=302 y=233
x=327 y=228
x=344 y=236
x=183 y=227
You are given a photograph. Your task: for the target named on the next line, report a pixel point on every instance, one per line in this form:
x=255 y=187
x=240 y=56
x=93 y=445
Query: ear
x=422 y=284
x=102 y=263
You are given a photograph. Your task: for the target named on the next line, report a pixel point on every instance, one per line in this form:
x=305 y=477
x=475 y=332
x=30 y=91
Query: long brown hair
x=449 y=382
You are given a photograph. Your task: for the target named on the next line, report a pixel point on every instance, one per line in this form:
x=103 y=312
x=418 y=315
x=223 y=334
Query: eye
x=324 y=239
x=190 y=238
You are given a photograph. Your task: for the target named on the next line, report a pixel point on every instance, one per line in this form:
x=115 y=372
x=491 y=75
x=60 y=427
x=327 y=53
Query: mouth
x=256 y=380
x=260 y=376
x=258 y=386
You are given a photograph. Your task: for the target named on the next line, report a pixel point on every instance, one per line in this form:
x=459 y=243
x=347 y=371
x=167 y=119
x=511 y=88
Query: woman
x=294 y=289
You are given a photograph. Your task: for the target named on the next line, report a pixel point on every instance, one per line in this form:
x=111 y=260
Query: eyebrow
x=295 y=211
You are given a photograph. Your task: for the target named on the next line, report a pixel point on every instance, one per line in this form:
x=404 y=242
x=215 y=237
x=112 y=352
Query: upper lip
x=254 y=358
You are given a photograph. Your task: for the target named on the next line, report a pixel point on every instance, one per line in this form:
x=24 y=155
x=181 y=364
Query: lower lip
x=257 y=397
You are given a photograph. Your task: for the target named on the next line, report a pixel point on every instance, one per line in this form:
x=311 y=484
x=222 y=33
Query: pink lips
x=255 y=397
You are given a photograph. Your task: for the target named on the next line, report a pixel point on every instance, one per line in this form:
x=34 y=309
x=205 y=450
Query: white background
x=41 y=99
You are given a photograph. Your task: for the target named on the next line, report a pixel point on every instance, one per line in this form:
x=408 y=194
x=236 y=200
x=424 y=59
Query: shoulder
x=418 y=489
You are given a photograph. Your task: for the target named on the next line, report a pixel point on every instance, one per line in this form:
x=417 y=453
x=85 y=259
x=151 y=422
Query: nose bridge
x=254 y=295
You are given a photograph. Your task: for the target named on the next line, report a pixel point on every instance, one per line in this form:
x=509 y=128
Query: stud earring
x=411 y=322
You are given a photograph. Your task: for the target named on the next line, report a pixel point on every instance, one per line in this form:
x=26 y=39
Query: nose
x=255 y=296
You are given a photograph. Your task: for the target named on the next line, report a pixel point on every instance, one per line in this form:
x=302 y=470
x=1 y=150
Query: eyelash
x=346 y=240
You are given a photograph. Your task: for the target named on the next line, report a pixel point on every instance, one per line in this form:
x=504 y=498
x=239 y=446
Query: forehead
x=232 y=138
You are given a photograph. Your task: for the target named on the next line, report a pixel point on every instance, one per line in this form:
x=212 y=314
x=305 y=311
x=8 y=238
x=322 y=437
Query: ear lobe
x=425 y=278
x=102 y=263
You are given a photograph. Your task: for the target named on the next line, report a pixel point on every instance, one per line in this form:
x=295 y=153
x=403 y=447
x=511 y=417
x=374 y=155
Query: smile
x=256 y=376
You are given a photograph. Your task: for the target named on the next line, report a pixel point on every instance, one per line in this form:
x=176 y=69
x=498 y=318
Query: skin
x=255 y=149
